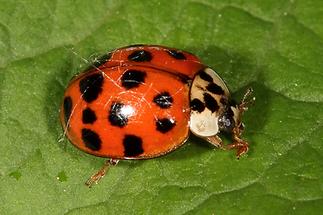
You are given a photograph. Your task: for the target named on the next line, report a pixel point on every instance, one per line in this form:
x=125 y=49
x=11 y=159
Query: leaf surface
x=274 y=46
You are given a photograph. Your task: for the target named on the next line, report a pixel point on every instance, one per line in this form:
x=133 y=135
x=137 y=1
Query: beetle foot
x=241 y=146
x=94 y=179
x=215 y=141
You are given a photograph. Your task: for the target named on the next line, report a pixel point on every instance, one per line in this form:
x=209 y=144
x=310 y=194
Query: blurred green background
x=274 y=46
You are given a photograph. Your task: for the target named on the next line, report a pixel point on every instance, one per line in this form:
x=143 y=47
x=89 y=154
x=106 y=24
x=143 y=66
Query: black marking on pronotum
x=133 y=78
x=224 y=101
x=88 y=116
x=197 y=105
x=176 y=54
x=67 y=105
x=140 y=56
x=132 y=145
x=205 y=76
x=91 y=87
x=163 y=100
x=91 y=139
x=116 y=117
x=210 y=102
x=164 y=125
x=214 y=88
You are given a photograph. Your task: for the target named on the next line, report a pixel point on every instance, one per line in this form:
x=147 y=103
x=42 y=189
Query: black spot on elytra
x=176 y=54
x=163 y=100
x=132 y=146
x=116 y=117
x=132 y=78
x=140 y=56
x=205 y=76
x=197 y=105
x=91 y=139
x=91 y=87
x=214 y=88
x=210 y=102
x=67 y=105
x=164 y=125
x=88 y=116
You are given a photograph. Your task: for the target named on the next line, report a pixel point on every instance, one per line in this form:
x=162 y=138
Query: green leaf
x=274 y=46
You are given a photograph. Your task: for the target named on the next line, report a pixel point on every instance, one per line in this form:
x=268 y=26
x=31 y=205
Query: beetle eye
x=226 y=122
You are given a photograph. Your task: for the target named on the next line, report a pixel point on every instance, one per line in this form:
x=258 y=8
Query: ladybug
x=142 y=101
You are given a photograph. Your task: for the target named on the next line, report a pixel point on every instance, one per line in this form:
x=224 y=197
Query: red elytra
x=135 y=105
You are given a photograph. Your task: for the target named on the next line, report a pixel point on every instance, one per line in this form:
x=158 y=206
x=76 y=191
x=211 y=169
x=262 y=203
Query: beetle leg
x=246 y=101
x=238 y=143
x=215 y=141
x=101 y=173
